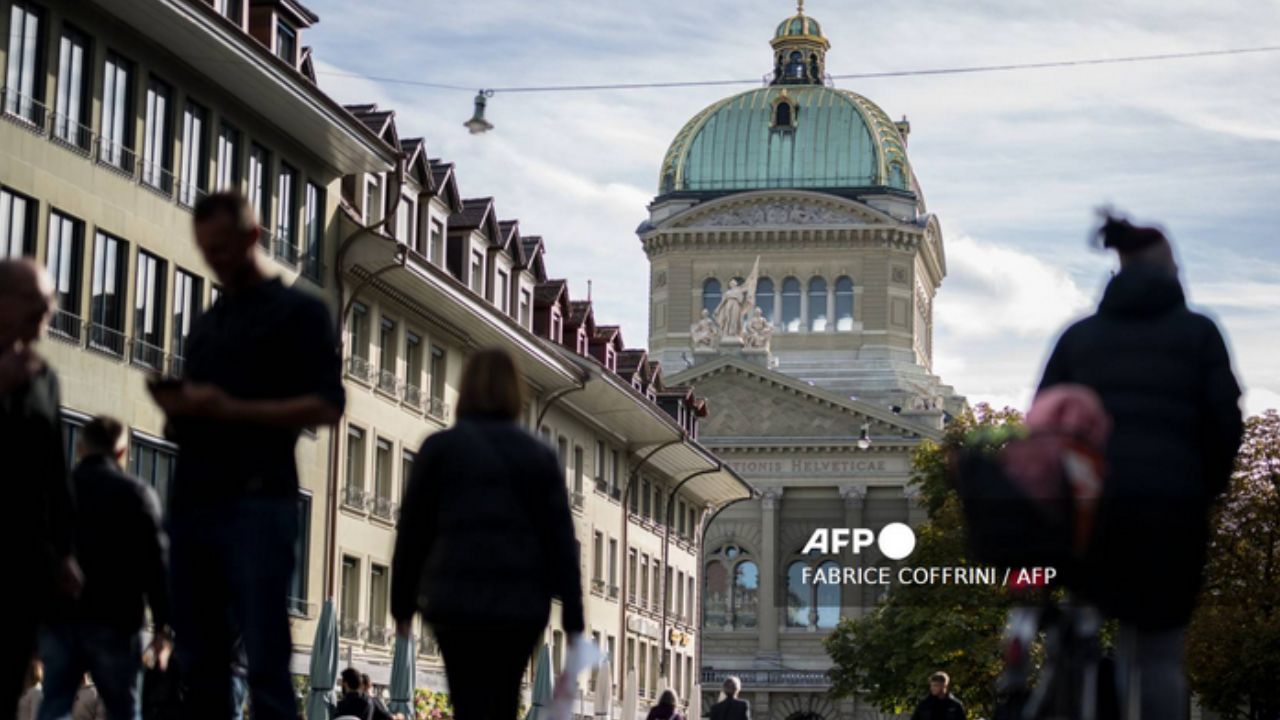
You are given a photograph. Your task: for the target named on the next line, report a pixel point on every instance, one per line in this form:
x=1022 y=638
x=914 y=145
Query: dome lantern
x=799 y=50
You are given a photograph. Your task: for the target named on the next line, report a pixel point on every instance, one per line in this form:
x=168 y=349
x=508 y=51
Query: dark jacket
x=664 y=712
x=359 y=706
x=38 y=530
x=485 y=532
x=121 y=548
x=1165 y=378
x=731 y=709
x=946 y=707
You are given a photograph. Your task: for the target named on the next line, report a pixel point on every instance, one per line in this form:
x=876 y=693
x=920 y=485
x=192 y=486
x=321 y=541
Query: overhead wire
x=920 y=72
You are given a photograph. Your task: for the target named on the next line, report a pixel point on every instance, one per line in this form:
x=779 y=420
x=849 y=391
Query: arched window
x=764 y=297
x=710 y=294
x=844 y=303
x=746 y=594
x=783 y=116
x=791 y=304
x=798 y=596
x=817 y=304
x=827 y=596
x=715 y=598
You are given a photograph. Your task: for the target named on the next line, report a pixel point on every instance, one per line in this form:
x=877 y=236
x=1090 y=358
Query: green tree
x=886 y=656
x=1233 y=643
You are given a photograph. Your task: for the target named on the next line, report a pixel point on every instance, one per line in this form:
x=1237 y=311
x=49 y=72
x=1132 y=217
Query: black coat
x=731 y=709
x=359 y=706
x=946 y=707
x=485 y=531
x=121 y=548
x=1165 y=377
x=38 y=529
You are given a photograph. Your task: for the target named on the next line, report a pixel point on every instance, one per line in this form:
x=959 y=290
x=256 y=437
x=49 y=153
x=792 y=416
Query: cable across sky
x=958 y=70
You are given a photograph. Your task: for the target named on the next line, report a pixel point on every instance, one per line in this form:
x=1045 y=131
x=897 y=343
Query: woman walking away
x=1164 y=377
x=485 y=541
x=666 y=707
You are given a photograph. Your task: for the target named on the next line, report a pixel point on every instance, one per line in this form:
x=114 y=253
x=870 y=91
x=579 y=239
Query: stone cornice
x=783 y=238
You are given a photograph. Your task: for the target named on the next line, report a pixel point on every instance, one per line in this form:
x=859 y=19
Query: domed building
x=793 y=269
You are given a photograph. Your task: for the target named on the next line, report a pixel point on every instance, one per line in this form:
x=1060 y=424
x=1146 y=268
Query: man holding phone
x=262 y=364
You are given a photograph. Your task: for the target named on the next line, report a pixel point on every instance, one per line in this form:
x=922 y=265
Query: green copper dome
x=799 y=25
x=825 y=138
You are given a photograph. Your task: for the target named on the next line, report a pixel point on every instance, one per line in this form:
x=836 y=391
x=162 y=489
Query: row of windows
x=375 y=626
x=380 y=502
x=152 y=460
x=152 y=160
x=731 y=581
x=828 y=306
x=425 y=364
x=103 y=321
x=647 y=664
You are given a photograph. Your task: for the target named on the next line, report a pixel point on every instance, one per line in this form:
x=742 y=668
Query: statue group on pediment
x=780 y=213
x=735 y=321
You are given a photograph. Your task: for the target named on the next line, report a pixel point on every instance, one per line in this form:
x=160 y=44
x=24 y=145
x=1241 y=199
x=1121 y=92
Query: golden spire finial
x=800 y=6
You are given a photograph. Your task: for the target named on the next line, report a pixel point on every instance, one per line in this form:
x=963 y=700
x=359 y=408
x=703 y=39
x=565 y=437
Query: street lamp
x=477 y=124
x=864 y=437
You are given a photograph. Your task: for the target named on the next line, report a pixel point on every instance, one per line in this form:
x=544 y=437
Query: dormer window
x=557 y=327
x=784 y=113
x=610 y=359
x=286 y=42
x=581 y=344
x=230 y=9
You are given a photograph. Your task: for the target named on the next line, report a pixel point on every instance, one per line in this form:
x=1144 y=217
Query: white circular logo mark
x=897 y=540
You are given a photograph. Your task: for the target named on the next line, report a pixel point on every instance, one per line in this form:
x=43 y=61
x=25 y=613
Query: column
x=855 y=498
x=768 y=613
x=804 y=307
x=831 y=307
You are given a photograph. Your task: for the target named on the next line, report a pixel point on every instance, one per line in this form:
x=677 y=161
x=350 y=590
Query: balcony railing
x=312 y=265
x=107 y=340
x=116 y=156
x=383 y=507
x=67 y=327
x=438 y=408
x=350 y=629
x=388 y=382
x=299 y=607
x=577 y=500
x=146 y=355
x=597 y=585
x=177 y=364
x=379 y=635
x=157 y=178
x=615 y=492
x=613 y=592
x=602 y=486
x=265 y=237
x=412 y=396
x=24 y=110
x=190 y=192
x=70 y=133
x=355 y=497
x=286 y=251
x=774 y=678
x=427 y=644
x=358 y=368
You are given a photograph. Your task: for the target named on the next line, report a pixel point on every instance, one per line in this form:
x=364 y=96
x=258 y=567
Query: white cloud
x=995 y=291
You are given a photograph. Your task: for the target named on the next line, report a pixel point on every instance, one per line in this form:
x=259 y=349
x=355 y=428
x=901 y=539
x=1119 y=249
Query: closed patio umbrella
x=540 y=703
x=324 y=664
x=629 y=698
x=402 y=677
x=604 y=691
x=695 y=702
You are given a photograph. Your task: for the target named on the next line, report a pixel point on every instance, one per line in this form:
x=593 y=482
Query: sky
x=1014 y=164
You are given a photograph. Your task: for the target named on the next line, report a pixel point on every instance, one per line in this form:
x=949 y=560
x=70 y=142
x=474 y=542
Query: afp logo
x=896 y=540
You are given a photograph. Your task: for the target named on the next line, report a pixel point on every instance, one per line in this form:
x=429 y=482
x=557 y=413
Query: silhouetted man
x=940 y=704
x=122 y=553
x=355 y=702
x=261 y=365
x=731 y=707
x=37 y=531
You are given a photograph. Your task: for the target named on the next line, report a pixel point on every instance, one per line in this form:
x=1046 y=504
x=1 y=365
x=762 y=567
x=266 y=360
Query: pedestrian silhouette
x=485 y=541
x=262 y=364
x=38 y=531
x=1164 y=377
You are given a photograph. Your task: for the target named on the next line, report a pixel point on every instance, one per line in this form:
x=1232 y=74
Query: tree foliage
x=886 y=656
x=1233 y=643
